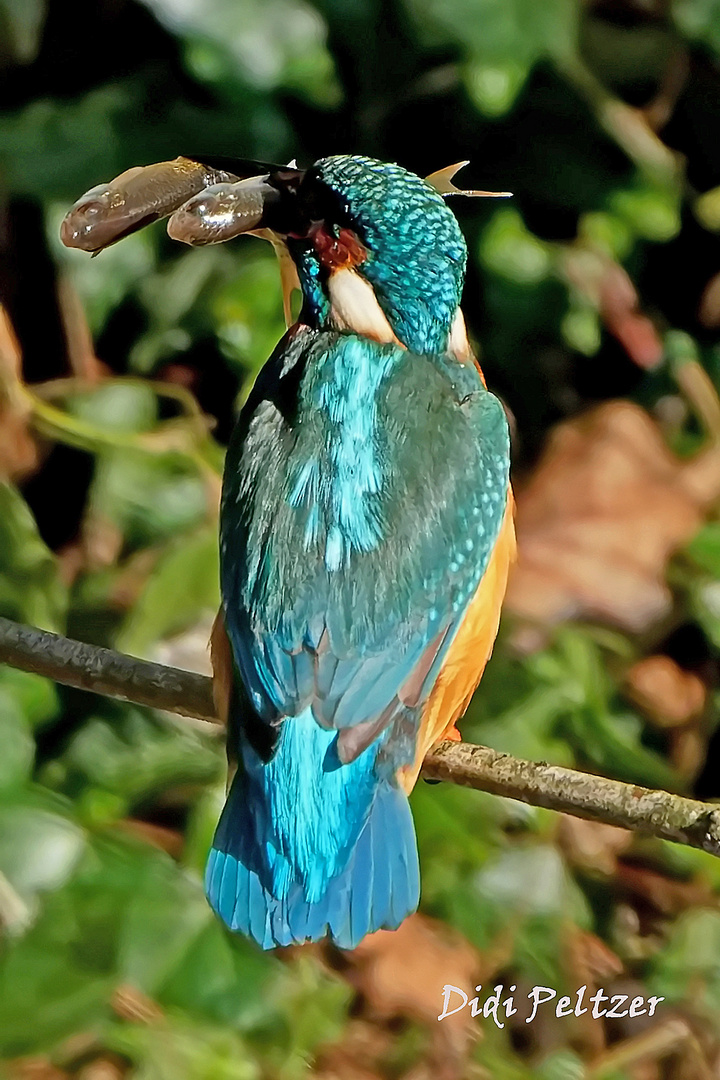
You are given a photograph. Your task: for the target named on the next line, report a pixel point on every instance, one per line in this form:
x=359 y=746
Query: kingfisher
x=366 y=530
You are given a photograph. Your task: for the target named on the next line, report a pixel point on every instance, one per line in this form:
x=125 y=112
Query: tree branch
x=106 y=672
x=102 y=671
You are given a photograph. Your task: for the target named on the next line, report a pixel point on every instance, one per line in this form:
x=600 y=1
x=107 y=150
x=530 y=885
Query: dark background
x=593 y=298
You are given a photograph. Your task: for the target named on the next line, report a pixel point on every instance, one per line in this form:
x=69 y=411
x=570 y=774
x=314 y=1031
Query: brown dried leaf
x=103 y=1068
x=18 y=450
x=10 y=357
x=591 y=959
x=102 y=540
x=709 y=310
x=400 y=975
x=666 y=694
x=168 y=840
x=608 y=286
x=646 y=1070
x=657 y=1042
x=593 y=965
x=666 y=895
x=688 y=750
x=592 y=844
x=358 y=1055
x=601 y=516
x=403 y=972
x=34 y=1068
x=76 y=1048
x=84 y=364
x=129 y=1003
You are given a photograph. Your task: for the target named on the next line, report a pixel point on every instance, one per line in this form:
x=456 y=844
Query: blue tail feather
x=382 y=874
x=378 y=887
x=360 y=899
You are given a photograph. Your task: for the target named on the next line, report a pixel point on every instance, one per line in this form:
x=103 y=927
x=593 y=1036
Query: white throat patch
x=355 y=307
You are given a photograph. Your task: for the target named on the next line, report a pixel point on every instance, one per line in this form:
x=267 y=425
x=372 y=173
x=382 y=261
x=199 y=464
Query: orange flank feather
x=222 y=665
x=469 y=653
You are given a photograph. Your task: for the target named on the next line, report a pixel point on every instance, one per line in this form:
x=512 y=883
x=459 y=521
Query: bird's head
x=377 y=251
x=373 y=247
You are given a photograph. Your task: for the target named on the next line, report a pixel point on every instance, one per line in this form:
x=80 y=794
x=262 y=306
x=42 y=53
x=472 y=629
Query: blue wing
x=364 y=493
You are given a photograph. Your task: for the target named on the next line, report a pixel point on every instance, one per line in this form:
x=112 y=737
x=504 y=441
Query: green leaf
x=44 y=996
x=511 y=251
x=494 y=87
x=700 y=20
x=162 y=920
x=183 y=1047
x=134 y=755
x=498 y=1059
x=577 y=704
x=266 y=41
x=652 y=212
x=122 y=406
x=104 y=283
x=611 y=742
x=705 y=605
x=39 y=849
x=30 y=586
x=561 y=1065
x=528 y=729
x=707 y=205
x=17 y=746
x=36 y=696
x=224 y=978
x=44 y=138
x=456 y=837
x=122 y=914
x=687 y=968
x=519 y=30
x=704 y=549
x=607 y=232
x=202 y=821
x=183 y=587
x=22 y=22
x=581 y=329
x=313 y=1009
x=149 y=497
x=533 y=880
x=247 y=311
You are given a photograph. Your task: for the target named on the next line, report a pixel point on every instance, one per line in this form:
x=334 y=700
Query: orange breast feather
x=469 y=653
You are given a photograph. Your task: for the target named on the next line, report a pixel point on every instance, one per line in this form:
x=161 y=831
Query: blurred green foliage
x=106 y=810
